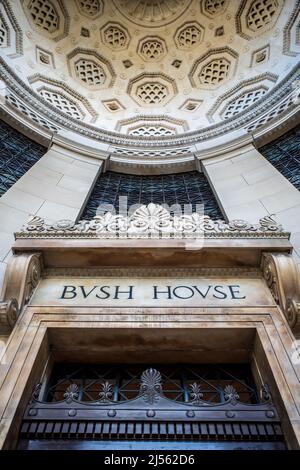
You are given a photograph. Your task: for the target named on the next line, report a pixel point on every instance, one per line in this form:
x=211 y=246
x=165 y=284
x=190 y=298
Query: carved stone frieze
x=150 y=221
x=22 y=275
x=282 y=277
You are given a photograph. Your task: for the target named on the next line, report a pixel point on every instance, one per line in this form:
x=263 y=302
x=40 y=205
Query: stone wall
x=249 y=187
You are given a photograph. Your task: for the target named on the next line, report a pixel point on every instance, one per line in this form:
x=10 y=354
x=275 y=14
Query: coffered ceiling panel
x=165 y=66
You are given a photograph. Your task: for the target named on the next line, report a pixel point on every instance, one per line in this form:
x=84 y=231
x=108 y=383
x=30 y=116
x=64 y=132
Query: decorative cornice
x=152 y=221
x=280 y=91
x=144 y=118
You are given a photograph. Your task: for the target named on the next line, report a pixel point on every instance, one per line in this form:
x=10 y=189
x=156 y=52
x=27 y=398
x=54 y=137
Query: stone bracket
x=8 y=315
x=22 y=275
x=283 y=279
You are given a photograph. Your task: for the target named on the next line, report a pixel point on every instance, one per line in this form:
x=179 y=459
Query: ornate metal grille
x=165 y=402
x=17 y=155
x=96 y=382
x=284 y=154
x=190 y=188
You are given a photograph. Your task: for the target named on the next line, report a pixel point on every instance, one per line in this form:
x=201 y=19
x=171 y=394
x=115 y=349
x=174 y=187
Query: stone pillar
x=56 y=187
x=248 y=187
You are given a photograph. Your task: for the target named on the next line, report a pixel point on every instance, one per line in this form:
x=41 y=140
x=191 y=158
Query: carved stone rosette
x=22 y=275
x=282 y=277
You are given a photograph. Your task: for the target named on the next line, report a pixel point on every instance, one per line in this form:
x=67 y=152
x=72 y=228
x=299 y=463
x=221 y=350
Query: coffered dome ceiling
x=149 y=69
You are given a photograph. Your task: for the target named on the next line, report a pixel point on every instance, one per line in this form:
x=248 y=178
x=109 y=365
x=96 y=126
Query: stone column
x=248 y=187
x=56 y=187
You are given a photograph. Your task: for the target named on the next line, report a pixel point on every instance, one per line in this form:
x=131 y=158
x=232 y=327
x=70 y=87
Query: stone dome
x=143 y=75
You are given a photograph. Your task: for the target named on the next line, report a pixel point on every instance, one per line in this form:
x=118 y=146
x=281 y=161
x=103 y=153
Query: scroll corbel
x=22 y=275
x=283 y=279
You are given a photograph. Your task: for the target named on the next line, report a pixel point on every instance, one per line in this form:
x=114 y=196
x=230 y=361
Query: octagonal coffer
x=91 y=69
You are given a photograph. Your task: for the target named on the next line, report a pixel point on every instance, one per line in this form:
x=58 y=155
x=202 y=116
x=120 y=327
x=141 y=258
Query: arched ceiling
x=149 y=68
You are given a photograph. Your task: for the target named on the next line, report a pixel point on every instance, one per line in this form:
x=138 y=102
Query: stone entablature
x=186 y=241
x=233 y=297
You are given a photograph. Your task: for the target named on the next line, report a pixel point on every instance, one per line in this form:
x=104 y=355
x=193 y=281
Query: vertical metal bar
x=184 y=387
x=117 y=386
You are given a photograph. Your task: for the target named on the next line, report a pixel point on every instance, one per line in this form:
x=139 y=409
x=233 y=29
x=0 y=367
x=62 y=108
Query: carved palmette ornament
x=151 y=387
x=282 y=277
